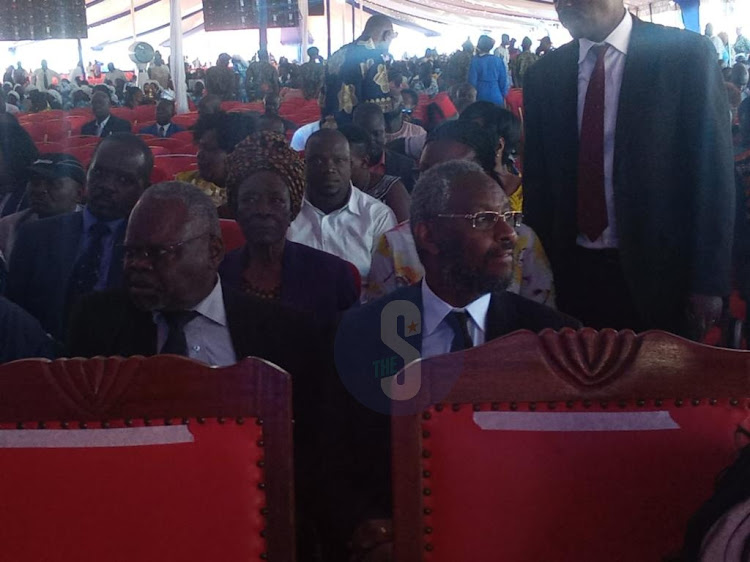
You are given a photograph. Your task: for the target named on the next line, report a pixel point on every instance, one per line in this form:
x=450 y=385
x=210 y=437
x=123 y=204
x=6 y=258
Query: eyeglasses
x=486 y=220
x=155 y=253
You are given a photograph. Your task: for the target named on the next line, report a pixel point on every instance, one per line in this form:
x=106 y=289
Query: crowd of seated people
x=361 y=207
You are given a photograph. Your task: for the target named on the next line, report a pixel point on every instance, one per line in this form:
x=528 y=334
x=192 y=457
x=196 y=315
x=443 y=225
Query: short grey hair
x=201 y=208
x=433 y=190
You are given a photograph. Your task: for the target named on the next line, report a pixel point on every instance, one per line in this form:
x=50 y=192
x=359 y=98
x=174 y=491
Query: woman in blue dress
x=487 y=73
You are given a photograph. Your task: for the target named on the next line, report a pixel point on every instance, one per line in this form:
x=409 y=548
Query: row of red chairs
x=589 y=440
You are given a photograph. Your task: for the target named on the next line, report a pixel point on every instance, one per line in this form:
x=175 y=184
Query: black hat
x=57 y=165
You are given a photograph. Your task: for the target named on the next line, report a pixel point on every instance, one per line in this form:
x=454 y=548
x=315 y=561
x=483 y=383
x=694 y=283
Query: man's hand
x=703 y=312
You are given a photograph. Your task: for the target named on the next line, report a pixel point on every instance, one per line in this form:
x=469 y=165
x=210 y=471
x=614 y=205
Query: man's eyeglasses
x=486 y=220
x=155 y=253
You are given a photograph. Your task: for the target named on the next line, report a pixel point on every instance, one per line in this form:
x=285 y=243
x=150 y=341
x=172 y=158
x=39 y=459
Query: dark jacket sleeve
x=21 y=335
x=708 y=151
x=22 y=263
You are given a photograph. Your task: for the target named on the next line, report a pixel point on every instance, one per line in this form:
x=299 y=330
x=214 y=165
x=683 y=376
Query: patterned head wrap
x=267 y=150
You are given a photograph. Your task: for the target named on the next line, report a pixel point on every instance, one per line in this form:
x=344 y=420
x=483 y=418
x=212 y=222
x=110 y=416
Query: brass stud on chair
x=263 y=534
x=569 y=404
x=679 y=402
x=426 y=474
x=260 y=443
x=455 y=407
x=477 y=407
x=427 y=492
x=258 y=421
x=427 y=511
x=426 y=454
x=146 y=422
x=42 y=425
x=428 y=530
x=64 y=425
x=201 y=420
x=427 y=415
x=167 y=421
x=551 y=405
x=640 y=403
x=696 y=402
x=713 y=401
x=19 y=425
x=428 y=547
x=128 y=422
x=425 y=434
x=83 y=425
x=105 y=424
x=513 y=406
x=622 y=404
x=494 y=406
x=240 y=420
x=185 y=421
x=604 y=404
x=264 y=511
x=222 y=420
x=734 y=402
x=438 y=408
x=264 y=556
x=532 y=406
x=261 y=485
x=658 y=402
x=587 y=403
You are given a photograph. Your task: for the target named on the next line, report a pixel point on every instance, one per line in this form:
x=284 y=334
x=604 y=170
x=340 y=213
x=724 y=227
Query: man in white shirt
x=715 y=40
x=336 y=217
x=301 y=135
x=43 y=77
x=636 y=221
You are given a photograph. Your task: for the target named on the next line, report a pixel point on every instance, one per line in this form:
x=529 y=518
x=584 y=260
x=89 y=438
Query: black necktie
x=176 y=320
x=86 y=269
x=46 y=81
x=162 y=131
x=458 y=321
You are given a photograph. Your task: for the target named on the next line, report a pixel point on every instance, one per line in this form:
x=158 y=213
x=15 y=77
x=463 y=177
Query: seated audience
x=216 y=135
x=272 y=103
x=301 y=135
x=387 y=189
x=163 y=127
x=21 y=336
x=464 y=231
x=336 y=217
x=506 y=128
x=370 y=117
x=396 y=127
x=56 y=186
x=57 y=260
x=396 y=263
x=266 y=184
x=17 y=153
x=462 y=96
x=104 y=123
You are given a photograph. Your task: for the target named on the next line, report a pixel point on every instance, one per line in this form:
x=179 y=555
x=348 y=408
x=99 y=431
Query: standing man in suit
x=163 y=128
x=462 y=226
x=628 y=171
x=105 y=123
x=59 y=259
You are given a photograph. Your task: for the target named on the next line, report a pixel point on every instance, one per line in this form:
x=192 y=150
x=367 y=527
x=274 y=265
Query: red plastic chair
x=187 y=148
x=76 y=122
x=82 y=140
x=145 y=459
x=47 y=147
x=172 y=146
x=183 y=136
x=83 y=153
x=230 y=105
x=231 y=234
x=185 y=120
x=173 y=164
x=123 y=113
x=157 y=150
x=56 y=129
x=36 y=130
x=145 y=113
x=572 y=446
x=140 y=126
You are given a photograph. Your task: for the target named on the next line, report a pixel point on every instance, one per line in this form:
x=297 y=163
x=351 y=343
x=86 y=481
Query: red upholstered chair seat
x=571 y=446
x=145 y=459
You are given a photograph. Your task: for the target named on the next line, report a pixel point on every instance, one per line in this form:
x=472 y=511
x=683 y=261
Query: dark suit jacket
x=154 y=130
x=402 y=166
x=313 y=281
x=673 y=181
x=42 y=263
x=358 y=481
x=114 y=125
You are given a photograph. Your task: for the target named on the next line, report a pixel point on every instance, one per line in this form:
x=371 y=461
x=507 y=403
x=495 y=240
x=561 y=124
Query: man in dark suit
x=628 y=171
x=462 y=227
x=105 y=123
x=163 y=127
x=174 y=302
x=370 y=117
x=59 y=259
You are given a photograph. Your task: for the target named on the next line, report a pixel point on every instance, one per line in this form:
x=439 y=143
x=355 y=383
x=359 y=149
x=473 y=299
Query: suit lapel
x=244 y=333
x=498 y=317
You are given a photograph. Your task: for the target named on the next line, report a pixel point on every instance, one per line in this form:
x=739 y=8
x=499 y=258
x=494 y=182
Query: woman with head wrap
x=266 y=185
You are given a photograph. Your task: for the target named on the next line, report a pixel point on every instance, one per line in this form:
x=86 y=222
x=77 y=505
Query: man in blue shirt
x=60 y=259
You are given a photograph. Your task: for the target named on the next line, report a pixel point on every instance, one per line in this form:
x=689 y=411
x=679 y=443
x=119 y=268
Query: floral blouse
x=395 y=264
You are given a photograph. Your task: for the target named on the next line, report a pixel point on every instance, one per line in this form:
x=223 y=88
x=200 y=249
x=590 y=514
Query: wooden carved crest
x=587 y=357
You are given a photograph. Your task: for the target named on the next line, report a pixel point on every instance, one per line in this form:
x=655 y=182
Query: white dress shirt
x=614 y=66
x=207 y=335
x=349 y=232
x=437 y=335
x=100 y=126
x=300 y=136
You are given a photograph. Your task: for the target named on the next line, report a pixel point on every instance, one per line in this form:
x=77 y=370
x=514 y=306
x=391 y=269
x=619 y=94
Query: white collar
x=352 y=205
x=212 y=307
x=619 y=38
x=436 y=309
x=103 y=123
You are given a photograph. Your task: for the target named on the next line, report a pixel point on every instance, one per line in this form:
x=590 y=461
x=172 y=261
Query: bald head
x=379 y=28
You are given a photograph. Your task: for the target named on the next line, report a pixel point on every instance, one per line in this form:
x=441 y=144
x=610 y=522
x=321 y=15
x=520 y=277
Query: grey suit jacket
x=673 y=175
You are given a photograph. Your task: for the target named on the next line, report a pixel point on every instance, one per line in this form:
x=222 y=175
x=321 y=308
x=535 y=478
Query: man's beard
x=471 y=279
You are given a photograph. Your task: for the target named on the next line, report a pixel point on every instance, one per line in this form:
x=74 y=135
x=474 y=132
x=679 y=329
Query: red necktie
x=592 y=202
